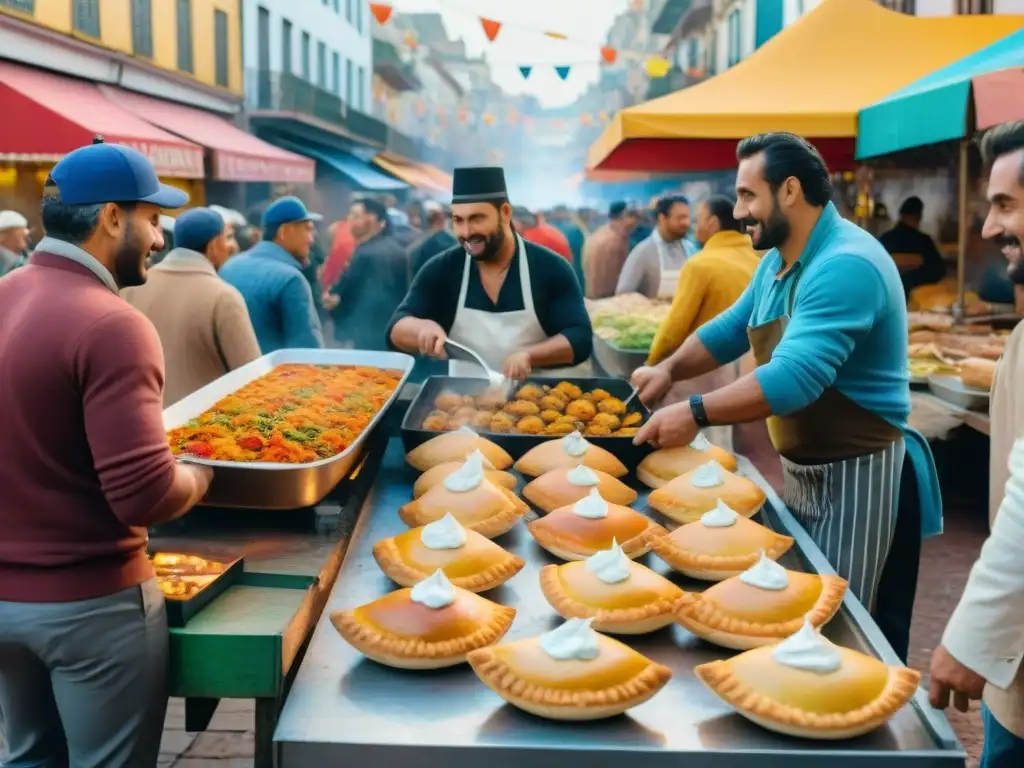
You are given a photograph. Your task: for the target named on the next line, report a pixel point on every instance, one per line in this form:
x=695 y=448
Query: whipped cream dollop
x=435 y=591
x=806 y=649
x=722 y=516
x=445 y=533
x=583 y=476
x=700 y=443
x=575 y=444
x=465 y=429
x=766 y=574
x=572 y=640
x=609 y=565
x=707 y=475
x=591 y=506
x=468 y=476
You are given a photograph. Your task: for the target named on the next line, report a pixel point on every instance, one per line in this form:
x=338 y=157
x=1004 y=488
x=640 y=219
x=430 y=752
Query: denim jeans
x=1002 y=748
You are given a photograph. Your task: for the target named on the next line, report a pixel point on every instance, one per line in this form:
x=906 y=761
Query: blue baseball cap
x=111 y=173
x=285 y=210
x=195 y=229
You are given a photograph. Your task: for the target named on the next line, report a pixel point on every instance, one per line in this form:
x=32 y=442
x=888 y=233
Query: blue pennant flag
x=526 y=72
x=563 y=72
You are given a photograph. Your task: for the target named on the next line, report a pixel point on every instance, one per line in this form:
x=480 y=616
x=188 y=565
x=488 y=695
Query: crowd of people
x=774 y=276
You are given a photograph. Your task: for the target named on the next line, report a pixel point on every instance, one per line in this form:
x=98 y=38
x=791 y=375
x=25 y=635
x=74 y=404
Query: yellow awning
x=420 y=175
x=811 y=78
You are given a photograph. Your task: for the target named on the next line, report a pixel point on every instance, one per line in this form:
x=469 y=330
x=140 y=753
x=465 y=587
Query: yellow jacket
x=709 y=283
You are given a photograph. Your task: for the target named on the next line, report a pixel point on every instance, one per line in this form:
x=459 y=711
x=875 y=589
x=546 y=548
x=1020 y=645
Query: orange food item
x=295 y=414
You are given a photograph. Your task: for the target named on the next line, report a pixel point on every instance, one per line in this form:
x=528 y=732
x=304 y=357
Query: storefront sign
x=231 y=166
x=182 y=161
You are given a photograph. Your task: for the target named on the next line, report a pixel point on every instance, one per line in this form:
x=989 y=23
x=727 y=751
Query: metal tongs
x=496 y=379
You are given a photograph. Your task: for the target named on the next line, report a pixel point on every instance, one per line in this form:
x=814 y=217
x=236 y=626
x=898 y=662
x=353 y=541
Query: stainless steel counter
x=348 y=711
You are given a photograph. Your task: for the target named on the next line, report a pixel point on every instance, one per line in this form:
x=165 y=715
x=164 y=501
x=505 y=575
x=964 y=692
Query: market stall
x=344 y=709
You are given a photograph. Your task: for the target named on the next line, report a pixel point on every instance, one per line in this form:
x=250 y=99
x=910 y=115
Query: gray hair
x=71 y=223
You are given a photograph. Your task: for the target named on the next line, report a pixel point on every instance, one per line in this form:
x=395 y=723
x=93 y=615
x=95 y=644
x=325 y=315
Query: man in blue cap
x=85 y=470
x=202 y=321
x=269 y=277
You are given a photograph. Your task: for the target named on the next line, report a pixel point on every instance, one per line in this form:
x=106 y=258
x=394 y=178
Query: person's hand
x=950 y=676
x=652 y=383
x=517 y=366
x=669 y=427
x=330 y=301
x=431 y=340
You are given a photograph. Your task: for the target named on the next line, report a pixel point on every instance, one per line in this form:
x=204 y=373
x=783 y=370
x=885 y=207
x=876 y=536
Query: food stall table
x=244 y=644
x=346 y=710
x=924 y=404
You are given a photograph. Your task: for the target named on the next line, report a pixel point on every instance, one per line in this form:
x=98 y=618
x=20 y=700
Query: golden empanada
x=561 y=487
x=456 y=446
x=577 y=531
x=689 y=496
x=667 y=464
x=566 y=453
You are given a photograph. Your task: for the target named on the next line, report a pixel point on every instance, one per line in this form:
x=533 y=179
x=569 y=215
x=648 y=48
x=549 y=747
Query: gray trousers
x=84 y=684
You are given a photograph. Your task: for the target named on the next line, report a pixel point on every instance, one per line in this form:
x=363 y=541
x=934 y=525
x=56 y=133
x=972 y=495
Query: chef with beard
x=515 y=303
x=826 y=320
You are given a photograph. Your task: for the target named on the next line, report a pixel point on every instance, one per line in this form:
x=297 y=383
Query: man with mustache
x=826 y=320
x=983 y=644
x=516 y=303
x=85 y=470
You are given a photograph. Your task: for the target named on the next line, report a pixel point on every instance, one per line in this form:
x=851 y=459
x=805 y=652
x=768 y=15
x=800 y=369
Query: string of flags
x=655 y=66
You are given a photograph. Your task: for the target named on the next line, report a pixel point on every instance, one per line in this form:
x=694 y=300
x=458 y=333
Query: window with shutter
x=24 y=6
x=142 y=28
x=336 y=73
x=220 y=47
x=86 y=17
x=286 y=46
x=305 y=57
x=321 y=65
x=185 y=36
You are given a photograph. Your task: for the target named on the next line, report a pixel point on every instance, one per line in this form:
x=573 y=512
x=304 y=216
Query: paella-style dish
x=181 y=577
x=535 y=409
x=295 y=414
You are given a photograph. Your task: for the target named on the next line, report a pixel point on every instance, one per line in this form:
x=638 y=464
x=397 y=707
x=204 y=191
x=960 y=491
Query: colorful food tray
x=414 y=434
x=283 y=485
x=190 y=582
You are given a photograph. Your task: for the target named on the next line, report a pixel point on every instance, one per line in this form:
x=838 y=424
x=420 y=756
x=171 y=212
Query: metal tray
x=616 y=361
x=517 y=445
x=342 y=708
x=272 y=485
x=952 y=390
x=181 y=610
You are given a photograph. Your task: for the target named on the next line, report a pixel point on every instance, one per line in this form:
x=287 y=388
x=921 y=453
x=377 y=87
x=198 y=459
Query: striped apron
x=842 y=466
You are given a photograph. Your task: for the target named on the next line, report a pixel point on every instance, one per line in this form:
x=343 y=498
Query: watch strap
x=700 y=416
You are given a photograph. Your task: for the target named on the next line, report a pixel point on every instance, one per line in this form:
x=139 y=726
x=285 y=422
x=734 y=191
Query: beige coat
x=986 y=631
x=202 y=322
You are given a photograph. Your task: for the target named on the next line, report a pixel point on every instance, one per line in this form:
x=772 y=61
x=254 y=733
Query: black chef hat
x=479 y=185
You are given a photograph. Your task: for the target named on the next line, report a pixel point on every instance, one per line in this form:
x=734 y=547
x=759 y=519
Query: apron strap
x=791 y=297
x=465 y=284
x=525 y=283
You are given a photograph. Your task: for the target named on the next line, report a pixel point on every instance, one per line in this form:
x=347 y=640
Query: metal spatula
x=496 y=379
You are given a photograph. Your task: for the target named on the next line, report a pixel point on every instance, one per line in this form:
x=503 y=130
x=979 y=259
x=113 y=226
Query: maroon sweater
x=84 y=461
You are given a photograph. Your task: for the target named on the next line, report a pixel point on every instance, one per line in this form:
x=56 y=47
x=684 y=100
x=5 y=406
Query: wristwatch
x=700 y=416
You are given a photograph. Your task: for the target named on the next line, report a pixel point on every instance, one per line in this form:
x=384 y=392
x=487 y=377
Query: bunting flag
x=609 y=55
x=585 y=119
x=491 y=28
x=657 y=66
x=410 y=40
x=488 y=118
x=563 y=72
x=557 y=36
x=526 y=72
x=381 y=12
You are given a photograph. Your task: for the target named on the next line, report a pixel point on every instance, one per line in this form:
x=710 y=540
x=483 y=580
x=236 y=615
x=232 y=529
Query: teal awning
x=362 y=175
x=936 y=107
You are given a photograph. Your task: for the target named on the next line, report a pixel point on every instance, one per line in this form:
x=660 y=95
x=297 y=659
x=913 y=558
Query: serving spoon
x=496 y=379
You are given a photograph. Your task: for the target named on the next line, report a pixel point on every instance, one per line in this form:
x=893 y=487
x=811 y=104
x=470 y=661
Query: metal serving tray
x=346 y=710
x=616 y=361
x=952 y=390
x=517 y=445
x=272 y=485
x=180 y=610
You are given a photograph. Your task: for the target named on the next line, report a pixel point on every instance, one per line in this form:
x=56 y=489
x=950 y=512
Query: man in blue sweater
x=269 y=277
x=826 y=320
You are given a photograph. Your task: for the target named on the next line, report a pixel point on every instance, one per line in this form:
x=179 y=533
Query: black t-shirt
x=557 y=298
x=905 y=239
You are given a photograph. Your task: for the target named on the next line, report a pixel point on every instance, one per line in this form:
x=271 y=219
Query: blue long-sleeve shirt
x=278 y=297
x=847 y=329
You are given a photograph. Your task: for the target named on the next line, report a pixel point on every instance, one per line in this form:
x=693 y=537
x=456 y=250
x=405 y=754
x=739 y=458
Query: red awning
x=998 y=97
x=48 y=115
x=237 y=155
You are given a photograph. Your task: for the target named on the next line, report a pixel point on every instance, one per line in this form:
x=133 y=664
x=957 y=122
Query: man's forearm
x=405 y=334
x=741 y=402
x=690 y=360
x=551 y=352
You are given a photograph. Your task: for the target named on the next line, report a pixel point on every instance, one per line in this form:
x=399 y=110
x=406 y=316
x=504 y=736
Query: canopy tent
x=812 y=78
x=972 y=94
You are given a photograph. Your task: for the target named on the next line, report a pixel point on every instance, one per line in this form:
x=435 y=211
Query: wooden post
x=963 y=233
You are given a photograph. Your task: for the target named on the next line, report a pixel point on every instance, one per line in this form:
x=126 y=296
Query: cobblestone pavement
x=946 y=562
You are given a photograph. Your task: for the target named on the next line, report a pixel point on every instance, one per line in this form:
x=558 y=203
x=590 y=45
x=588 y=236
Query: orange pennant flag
x=556 y=35
x=488 y=119
x=609 y=55
x=491 y=28
x=381 y=12
x=410 y=40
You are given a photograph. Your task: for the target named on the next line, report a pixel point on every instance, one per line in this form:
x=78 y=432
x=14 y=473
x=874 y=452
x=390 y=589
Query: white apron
x=496 y=335
x=669 y=277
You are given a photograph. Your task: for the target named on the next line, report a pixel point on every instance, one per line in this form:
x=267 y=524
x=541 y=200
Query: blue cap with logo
x=285 y=210
x=111 y=173
x=195 y=229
